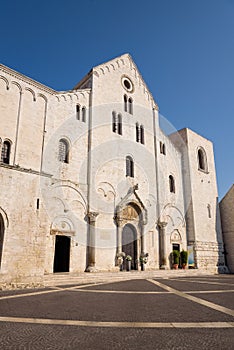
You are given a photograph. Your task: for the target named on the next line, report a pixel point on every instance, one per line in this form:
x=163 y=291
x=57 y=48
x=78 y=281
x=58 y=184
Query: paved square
x=154 y=313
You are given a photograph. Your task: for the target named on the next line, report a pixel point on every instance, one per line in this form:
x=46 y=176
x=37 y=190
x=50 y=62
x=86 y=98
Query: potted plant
x=120 y=257
x=175 y=259
x=184 y=258
x=129 y=262
x=143 y=261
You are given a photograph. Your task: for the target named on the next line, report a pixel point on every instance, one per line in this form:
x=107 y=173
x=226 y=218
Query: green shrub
x=176 y=256
x=184 y=257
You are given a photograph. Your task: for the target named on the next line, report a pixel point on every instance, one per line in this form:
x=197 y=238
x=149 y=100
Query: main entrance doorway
x=62 y=253
x=129 y=245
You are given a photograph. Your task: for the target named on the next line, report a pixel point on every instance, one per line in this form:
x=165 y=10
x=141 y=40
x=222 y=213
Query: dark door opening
x=129 y=245
x=62 y=254
x=175 y=246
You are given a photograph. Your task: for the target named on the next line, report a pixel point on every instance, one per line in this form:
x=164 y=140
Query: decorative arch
x=62 y=224
x=68 y=184
x=43 y=97
x=175 y=237
x=169 y=209
x=6 y=81
x=18 y=86
x=32 y=92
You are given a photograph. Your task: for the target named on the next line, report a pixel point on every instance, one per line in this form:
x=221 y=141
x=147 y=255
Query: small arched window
x=172 y=184
x=129 y=166
x=209 y=211
x=137 y=133
x=119 y=124
x=114 y=123
x=125 y=103
x=6 y=150
x=142 y=134
x=162 y=148
x=202 y=161
x=130 y=105
x=63 y=151
x=84 y=114
x=78 y=112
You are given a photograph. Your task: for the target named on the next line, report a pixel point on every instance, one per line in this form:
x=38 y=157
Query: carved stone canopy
x=131 y=208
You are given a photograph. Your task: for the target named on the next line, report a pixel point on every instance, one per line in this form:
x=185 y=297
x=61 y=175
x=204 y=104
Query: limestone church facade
x=88 y=177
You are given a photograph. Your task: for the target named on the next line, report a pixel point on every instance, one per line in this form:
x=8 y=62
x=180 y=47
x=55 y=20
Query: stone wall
x=227 y=218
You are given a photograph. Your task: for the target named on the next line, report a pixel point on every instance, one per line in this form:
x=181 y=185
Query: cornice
x=27 y=80
x=24 y=170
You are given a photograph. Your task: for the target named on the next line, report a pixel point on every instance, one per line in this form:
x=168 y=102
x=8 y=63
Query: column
x=162 y=245
x=119 y=224
x=142 y=240
x=119 y=256
x=92 y=242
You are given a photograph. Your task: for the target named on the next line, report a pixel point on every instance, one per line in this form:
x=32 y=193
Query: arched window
x=77 y=112
x=125 y=103
x=209 y=211
x=63 y=151
x=130 y=105
x=84 y=114
x=202 y=161
x=162 y=148
x=129 y=166
x=137 y=133
x=142 y=134
x=119 y=124
x=114 y=122
x=172 y=184
x=6 y=150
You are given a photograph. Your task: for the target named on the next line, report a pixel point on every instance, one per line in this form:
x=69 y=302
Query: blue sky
x=183 y=48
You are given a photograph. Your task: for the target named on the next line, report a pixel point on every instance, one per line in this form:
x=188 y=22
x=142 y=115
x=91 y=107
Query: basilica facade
x=88 y=178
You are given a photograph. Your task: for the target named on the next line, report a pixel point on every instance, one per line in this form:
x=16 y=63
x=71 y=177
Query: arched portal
x=129 y=244
x=2 y=229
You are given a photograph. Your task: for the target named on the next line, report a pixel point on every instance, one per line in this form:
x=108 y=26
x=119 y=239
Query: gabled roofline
x=125 y=55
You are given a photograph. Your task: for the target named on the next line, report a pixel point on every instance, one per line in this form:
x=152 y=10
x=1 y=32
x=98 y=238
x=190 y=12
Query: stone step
x=67 y=278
